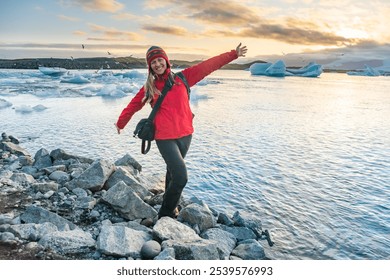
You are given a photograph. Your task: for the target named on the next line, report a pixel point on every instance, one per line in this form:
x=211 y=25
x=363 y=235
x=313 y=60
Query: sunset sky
x=193 y=29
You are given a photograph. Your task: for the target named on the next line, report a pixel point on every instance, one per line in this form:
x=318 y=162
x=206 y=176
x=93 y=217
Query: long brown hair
x=150 y=86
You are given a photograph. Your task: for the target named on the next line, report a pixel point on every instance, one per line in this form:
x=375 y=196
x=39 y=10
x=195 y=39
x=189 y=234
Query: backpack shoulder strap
x=184 y=80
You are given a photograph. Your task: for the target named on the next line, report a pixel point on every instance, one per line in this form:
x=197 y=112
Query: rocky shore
x=55 y=205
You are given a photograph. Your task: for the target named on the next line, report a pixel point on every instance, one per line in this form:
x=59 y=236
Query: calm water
x=310 y=157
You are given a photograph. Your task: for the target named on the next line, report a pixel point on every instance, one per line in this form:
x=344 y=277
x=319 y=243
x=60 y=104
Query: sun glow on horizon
x=352 y=33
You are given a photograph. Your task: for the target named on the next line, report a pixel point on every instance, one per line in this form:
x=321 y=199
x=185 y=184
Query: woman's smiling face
x=158 y=65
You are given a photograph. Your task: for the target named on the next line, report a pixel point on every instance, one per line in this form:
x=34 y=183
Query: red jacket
x=174 y=117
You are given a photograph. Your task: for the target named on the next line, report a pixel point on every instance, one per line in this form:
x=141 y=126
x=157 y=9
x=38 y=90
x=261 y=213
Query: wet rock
x=226 y=241
x=249 y=249
x=251 y=222
x=225 y=219
x=241 y=233
x=195 y=214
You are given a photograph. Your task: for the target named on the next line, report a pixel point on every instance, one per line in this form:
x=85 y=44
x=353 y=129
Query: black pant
x=173 y=152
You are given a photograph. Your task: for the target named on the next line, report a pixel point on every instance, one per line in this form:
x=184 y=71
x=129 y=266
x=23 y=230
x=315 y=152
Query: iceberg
x=259 y=68
x=52 y=71
x=77 y=79
x=39 y=108
x=24 y=109
x=29 y=109
x=4 y=103
x=310 y=70
x=368 y=71
x=133 y=75
x=279 y=69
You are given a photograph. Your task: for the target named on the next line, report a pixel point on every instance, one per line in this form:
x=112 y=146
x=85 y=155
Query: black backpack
x=184 y=80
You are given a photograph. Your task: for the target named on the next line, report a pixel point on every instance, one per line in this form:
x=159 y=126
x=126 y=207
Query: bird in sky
x=108 y=53
x=82 y=46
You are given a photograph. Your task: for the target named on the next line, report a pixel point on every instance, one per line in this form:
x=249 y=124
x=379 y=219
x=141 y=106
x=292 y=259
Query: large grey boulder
x=73 y=241
x=122 y=174
x=60 y=176
x=22 y=178
x=13 y=148
x=249 y=249
x=38 y=215
x=61 y=155
x=241 y=233
x=94 y=177
x=199 y=249
x=126 y=201
x=32 y=232
x=128 y=160
x=167 y=228
x=42 y=159
x=226 y=241
x=195 y=214
x=121 y=241
x=251 y=222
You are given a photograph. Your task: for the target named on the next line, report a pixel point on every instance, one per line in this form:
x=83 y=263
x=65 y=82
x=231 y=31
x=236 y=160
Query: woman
x=173 y=121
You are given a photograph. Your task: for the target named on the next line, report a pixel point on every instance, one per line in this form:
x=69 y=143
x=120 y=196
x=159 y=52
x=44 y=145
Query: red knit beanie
x=154 y=52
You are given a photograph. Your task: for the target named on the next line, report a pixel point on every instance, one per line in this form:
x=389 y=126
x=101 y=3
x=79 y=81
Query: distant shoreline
x=95 y=63
x=118 y=63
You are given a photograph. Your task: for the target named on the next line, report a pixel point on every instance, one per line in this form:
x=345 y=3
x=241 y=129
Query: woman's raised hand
x=241 y=51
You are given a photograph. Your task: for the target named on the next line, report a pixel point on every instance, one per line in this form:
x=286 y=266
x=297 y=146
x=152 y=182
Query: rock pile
x=80 y=208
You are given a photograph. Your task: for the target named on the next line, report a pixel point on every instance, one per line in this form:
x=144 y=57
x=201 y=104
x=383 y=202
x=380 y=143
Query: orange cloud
x=113 y=34
x=171 y=30
x=110 y=6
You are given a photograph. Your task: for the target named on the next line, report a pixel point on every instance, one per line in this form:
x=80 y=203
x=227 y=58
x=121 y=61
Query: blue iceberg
x=279 y=69
x=368 y=71
x=52 y=71
x=76 y=79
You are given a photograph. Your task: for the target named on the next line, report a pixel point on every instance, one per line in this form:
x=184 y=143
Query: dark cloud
x=294 y=35
x=226 y=13
x=234 y=19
